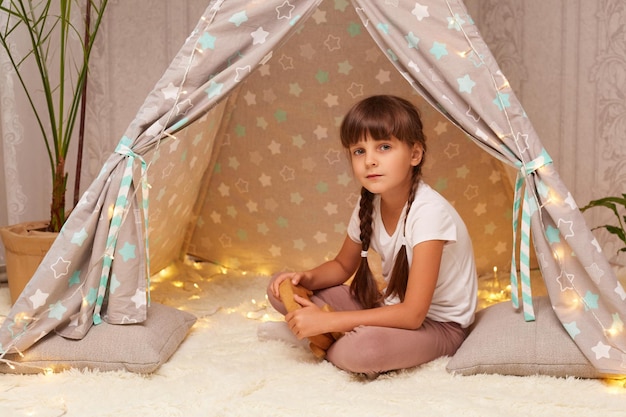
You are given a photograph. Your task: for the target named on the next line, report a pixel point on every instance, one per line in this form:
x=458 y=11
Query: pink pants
x=372 y=349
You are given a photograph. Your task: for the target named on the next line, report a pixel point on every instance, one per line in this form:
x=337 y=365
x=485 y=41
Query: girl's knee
x=356 y=352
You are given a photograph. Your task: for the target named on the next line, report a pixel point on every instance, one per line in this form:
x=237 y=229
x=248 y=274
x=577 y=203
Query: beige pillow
x=140 y=348
x=501 y=342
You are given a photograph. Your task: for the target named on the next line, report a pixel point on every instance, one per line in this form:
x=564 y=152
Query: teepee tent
x=174 y=163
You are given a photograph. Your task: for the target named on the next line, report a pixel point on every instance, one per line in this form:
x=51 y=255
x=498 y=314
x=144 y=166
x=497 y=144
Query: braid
x=363 y=286
x=400 y=272
x=365 y=216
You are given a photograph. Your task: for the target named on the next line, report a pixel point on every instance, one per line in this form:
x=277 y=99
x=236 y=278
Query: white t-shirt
x=431 y=217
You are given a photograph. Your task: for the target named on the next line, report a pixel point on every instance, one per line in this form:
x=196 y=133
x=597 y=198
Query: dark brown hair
x=381 y=117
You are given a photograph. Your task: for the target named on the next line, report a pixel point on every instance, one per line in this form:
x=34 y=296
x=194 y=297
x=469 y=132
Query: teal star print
x=75 y=279
x=56 y=311
x=238 y=18
x=383 y=27
x=465 y=84
x=242 y=234
x=354 y=29
x=214 y=89
x=502 y=101
x=321 y=76
x=280 y=115
x=114 y=283
x=207 y=41
x=552 y=234
x=441 y=184
x=455 y=22
x=240 y=130
x=572 y=329
x=439 y=50
x=591 y=300
x=412 y=40
x=128 y=251
x=91 y=296
x=79 y=237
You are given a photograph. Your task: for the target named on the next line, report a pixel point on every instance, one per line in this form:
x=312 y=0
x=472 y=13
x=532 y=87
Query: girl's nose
x=370 y=160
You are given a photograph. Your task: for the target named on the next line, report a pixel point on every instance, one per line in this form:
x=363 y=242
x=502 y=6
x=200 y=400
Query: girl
x=429 y=297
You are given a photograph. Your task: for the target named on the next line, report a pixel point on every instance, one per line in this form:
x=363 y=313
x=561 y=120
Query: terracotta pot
x=25 y=245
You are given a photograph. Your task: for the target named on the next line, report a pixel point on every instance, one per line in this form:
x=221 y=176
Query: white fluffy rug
x=222 y=369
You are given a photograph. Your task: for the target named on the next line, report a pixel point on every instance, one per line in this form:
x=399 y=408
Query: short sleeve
x=430 y=220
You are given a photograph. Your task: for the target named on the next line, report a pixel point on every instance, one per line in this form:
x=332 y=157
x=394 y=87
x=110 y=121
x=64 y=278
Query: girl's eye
x=385 y=147
x=357 y=152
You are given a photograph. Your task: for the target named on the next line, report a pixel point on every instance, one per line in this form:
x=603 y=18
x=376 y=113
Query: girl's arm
x=336 y=271
x=409 y=314
x=330 y=273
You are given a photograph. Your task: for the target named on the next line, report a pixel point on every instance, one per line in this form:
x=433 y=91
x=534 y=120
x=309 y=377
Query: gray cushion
x=501 y=342
x=140 y=348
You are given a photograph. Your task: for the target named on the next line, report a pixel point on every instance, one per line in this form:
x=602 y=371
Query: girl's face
x=385 y=167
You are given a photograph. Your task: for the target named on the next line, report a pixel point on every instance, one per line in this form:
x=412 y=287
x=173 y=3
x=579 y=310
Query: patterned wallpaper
x=282 y=191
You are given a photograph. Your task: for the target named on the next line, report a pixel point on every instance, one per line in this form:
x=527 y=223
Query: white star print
x=265 y=180
x=564 y=223
x=259 y=36
x=139 y=298
x=595 y=272
x=170 y=92
x=601 y=350
x=242 y=72
x=595 y=243
x=38 y=299
x=274 y=251
x=619 y=290
x=570 y=201
x=420 y=11
x=60 y=267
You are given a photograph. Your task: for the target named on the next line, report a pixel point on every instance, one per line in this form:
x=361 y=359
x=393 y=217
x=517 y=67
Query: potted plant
x=617 y=205
x=60 y=36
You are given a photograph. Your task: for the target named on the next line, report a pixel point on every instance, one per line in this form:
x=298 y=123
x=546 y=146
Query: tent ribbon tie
x=119 y=210
x=524 y=251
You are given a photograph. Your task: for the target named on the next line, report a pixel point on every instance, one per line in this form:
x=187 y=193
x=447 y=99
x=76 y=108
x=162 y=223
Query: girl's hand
x=295 y=278
x=306 y=321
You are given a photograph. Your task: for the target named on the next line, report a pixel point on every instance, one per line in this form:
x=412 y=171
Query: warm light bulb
x=612 y=332
x=558 y=253
x=574 y=302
